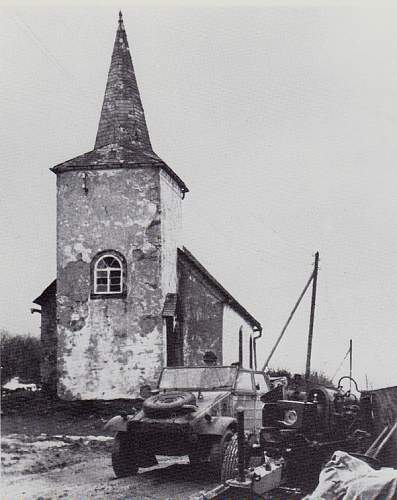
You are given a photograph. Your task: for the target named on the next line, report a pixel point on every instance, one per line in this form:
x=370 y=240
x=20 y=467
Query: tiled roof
x=122 y=118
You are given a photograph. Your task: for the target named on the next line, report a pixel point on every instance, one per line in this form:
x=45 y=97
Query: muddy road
x=55 y=449
x=72 y=467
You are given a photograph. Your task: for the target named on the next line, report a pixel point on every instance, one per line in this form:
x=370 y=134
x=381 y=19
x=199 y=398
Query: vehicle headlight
x=290 y=417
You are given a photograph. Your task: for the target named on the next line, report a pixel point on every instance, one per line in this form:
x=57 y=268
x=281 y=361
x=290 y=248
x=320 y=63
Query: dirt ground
x=53 y=449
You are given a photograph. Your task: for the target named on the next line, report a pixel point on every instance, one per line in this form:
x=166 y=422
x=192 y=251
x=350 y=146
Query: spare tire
x=168 y=402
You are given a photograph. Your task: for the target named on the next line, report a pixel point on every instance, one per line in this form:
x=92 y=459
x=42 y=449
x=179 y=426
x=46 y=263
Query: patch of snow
x=83 y=438
x=14 y=384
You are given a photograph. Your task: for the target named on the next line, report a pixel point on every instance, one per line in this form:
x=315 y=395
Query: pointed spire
x=122 y=118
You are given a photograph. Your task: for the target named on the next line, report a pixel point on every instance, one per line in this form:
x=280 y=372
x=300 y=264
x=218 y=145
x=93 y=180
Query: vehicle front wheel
x=124 y=460
x=218 y=450
x=229 y=468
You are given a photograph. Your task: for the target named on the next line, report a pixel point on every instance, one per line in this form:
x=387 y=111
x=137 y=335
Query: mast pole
x=311 y=326
x=351 y=362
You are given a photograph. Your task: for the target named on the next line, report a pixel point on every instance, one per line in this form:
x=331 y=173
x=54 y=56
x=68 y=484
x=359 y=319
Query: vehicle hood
x=208 y=400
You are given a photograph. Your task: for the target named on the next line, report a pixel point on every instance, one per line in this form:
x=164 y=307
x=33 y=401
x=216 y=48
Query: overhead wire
x=340 y=365
x=27 y=30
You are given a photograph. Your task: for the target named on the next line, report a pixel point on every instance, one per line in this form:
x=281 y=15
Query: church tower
x=118 y=226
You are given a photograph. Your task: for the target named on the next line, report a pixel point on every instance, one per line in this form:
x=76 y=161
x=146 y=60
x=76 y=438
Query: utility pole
x=313 y=306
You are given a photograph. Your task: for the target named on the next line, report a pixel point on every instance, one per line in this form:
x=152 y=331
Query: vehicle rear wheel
x=229 y=468
x=218 y=450
x=124 y=460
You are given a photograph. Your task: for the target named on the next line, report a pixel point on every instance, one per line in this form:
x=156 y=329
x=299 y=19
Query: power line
x=340 y=366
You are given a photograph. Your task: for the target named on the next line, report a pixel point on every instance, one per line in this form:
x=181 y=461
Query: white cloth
x=346 y=477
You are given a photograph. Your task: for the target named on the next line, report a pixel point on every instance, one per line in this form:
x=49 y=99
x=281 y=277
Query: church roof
x=122 y=118
x=122 y=138
x=183 y=253
x=116 y=156
x=46 y=294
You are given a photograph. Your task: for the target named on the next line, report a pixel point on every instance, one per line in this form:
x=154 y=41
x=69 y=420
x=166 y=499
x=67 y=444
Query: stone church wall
x=48 y=365
x=171 y=221
x=108 y=347
x=202 y=315
x=232 y=321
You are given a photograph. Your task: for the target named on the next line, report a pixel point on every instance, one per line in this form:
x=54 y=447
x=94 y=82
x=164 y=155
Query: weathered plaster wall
x=201 y=310
x=171 y=222
x=48 y=365
x=108 y=347
x=231 y=325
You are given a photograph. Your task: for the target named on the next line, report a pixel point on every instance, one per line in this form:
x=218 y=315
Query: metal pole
x=312 y=309
x=251 y=355
x=240 y=347
x=385 y=440
x=240 y=444
x=351 y=363
x=287 y=322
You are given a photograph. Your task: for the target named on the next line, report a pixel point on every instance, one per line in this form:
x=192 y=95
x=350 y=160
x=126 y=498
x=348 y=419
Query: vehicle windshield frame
x=233 y=377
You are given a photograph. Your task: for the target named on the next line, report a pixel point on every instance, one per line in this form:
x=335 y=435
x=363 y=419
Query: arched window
x=108 y=274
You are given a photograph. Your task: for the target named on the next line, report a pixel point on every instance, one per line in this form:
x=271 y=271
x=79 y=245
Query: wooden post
x=313 y=306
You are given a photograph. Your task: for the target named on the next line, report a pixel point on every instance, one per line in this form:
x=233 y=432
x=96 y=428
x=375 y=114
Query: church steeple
x=122 y=120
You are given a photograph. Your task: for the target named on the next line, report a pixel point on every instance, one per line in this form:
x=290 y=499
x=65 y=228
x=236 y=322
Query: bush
x=20 y=357
x=315 y=377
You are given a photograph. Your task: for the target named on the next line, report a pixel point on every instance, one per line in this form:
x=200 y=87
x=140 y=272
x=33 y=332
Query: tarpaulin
x=346 y=477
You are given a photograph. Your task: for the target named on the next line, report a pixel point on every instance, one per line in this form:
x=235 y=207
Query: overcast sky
x=280 y=119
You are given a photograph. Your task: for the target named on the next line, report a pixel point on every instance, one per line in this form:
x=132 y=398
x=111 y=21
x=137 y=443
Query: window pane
x=244 y=382
x=112 y=262
x=261 y=382
x=108 y=275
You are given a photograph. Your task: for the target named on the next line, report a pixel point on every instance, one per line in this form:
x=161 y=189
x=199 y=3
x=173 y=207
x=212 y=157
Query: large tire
x=230 y=461
x=217 y=451
x=124 y=460
x=167 y=402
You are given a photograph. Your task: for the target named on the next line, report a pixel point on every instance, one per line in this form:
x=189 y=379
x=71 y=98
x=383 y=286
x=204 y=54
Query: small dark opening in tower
x=174 y=342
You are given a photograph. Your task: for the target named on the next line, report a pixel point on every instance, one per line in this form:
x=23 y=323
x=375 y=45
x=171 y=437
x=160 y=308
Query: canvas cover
x=346 y=477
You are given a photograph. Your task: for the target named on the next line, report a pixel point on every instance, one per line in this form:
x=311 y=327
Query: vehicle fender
x=117 y=424
x=216 y=426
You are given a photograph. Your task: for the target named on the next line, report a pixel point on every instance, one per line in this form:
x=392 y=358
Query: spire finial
x=120 y=17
